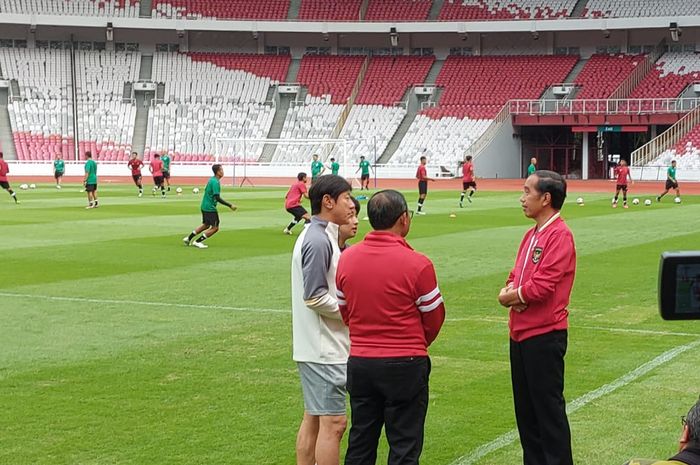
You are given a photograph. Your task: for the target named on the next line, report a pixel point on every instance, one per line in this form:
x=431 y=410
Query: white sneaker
x=186 y=240
x=287 y=231
x=200 y=245
x=89 y=207
x=58 y=187
x=140 y=194
x=420 y=213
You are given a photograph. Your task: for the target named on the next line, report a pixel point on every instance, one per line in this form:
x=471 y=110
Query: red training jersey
x=422 y=173
x=157 y=167
x=4 y=169
x=135 y=166
x=622 y=173
x=468 y=172
x=392 y=311
x=544 y=276
x=295 y=194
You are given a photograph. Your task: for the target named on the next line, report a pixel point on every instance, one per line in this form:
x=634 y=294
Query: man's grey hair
x=693 y=422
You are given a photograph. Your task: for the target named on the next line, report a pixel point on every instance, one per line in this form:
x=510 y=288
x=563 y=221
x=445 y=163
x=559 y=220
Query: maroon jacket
x=543 y=275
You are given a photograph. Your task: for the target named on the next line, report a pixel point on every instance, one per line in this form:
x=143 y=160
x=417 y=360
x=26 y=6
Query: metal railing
x=490 y=133
x=667 y=140
x=635 y=77
x=639 y=106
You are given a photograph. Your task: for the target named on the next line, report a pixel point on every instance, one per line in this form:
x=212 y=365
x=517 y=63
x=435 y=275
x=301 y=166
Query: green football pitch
x=119 y=345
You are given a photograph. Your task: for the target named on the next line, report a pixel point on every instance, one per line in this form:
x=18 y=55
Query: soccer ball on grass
x=195 y=190
x=579 y=201
x=179 y=191
x=32 y=186
x=677 y=200
x=635 y=201
x=647 y=202
x=24 y=187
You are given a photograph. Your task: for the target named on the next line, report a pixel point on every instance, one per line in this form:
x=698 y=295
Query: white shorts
x=323 y=387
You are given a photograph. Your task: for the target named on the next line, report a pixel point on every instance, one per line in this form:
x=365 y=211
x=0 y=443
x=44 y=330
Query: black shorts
x=621 y=187
x=136 y=177
x=166 y=174
x=467 y=185
x=422 y=187
x=364 y=177
x=90 y=187
x=158 y=180
x=57 y=174
x=297 y=212
x=671 y=185
x=210 y=218
x=4 y=184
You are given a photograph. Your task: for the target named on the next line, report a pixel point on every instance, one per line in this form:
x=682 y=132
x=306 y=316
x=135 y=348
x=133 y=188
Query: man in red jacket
x=394 y=312
x=537 y=293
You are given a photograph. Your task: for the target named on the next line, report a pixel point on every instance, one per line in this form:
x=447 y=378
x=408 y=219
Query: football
x=179 y=190
x=195 y=190
x=32 y=186
x=677 y=200
x=579 y=201
x=635 y=201
x=24 y=187
x=647 y=202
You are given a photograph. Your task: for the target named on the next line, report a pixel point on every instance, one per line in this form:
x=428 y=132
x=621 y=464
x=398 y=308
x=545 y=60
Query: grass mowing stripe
x=137 y=302
x=508 y=438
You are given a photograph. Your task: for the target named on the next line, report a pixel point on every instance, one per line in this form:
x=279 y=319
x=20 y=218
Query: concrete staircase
x=283 y=102
x=294 y=6
x=414 y=105
x=146 y=71
x=578 y=9
x=145 y=9
x=143 y=104
x=7 y=143
x=293 y=70
x=549 y=93
x=435 y=10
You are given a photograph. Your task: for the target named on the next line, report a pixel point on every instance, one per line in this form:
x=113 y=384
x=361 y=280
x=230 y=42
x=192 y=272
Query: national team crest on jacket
x=536 y=254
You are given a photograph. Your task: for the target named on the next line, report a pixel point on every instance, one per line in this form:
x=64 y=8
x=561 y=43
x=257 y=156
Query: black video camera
x=679 y=286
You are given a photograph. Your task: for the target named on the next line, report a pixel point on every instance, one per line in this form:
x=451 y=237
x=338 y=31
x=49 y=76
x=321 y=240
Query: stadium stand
x=603 y=74
x=387 y=78
x=41 y=118
x=330 y=10
x=106 y=117
x=488 y=82
x=673 y=72
x=222 y=9
x=635 y=8
x=475 y=10
x=333 y=76
x=116 y=8
x=209 y=96
x=686 y=152
x=398 y=10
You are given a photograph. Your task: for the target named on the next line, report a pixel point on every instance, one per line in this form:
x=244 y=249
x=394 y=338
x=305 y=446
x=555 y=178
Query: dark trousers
x=537 y=375
x=389 y=392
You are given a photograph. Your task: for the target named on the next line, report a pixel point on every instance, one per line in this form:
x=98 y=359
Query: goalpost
x=242 y=152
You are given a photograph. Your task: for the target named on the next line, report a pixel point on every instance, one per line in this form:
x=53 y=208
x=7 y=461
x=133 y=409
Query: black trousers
x=389 y=392
x=537 y=375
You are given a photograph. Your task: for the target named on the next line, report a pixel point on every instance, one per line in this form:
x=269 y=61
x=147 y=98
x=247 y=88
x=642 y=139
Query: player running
x=422 y=176
x=317 y=169
x=210 y=216
x=533 y=167
x=671 y=182
x=156 y=168
x=90 y=181
x=468 y=183
x=59 y=167
x=335 y=167
x=622 y=172
x=165 y=158
x=364 y=178
x=4 y=183
x=293 y=205
x=135 y=164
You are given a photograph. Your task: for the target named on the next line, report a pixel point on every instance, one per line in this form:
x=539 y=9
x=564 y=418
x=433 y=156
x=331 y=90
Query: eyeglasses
x=410 y=213
x=683 y=421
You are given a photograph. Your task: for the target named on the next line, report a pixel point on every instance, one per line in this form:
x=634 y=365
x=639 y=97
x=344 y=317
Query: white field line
x=649 y=332
x=142 y=303
x=510 y=437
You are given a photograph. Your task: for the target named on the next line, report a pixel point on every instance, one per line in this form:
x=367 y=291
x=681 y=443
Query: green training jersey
x=316 y=168
x=531 y=169
x=91 y=170
x=672 y=172
x=59 y=166
x=335 y=168
x=210 y=192
x=166 y=162
x=364 y=165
